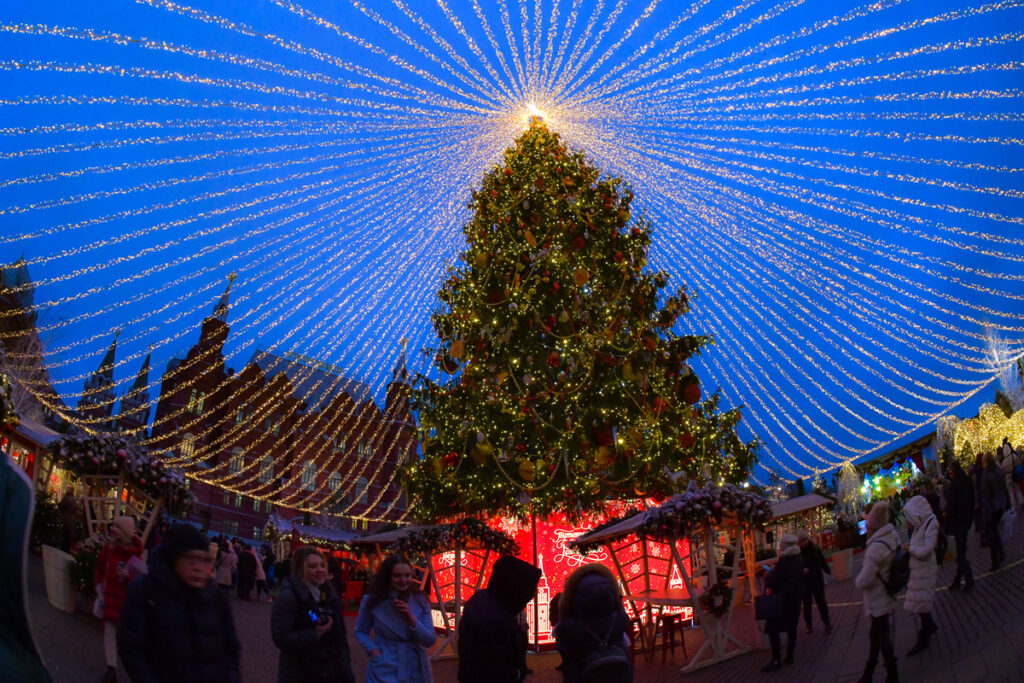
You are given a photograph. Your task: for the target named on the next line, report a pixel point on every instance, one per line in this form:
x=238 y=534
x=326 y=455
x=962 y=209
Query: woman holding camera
x=398 y=615
x=307 y=625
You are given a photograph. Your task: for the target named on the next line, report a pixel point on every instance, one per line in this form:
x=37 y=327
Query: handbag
x=768 y=607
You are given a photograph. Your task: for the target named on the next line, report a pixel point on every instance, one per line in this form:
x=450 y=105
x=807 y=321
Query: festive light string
x=746 y=324
x=235 y=207
x=141 y=211
x=678 y=82
x=741 y=327
x=799 y=192
x=283 y=438
x=763 y=391
x=412 y=95
x=892 y=302
x=129 y=359
x=973 y=235
x=778 y=191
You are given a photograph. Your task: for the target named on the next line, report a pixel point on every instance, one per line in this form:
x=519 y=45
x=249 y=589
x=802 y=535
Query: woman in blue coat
x=395 y=626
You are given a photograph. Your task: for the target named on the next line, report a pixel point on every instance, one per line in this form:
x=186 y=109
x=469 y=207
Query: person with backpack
x=786 y=580
x=176 y=625
x=923 y=568
x=876 y=584
x=491 y=646
x=959 y=519
x=592 y=625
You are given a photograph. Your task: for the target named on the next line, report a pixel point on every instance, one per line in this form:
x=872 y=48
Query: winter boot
x=892 y=673
x=869 y=672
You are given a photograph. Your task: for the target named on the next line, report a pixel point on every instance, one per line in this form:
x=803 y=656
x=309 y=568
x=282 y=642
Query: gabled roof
x=314 y=382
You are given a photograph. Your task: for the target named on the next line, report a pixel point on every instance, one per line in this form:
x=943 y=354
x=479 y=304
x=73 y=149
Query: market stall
x=450 y=563
x=682 y=541
x=803 y=512
x=119 y=478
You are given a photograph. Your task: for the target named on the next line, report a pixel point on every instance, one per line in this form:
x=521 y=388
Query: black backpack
x=609 y=662
x=899 y=570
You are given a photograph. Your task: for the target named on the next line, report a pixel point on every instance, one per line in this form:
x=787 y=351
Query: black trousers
x=881 y=642
x=788 y=626
x=995 y=547
x=963 y=565
x=816 y=593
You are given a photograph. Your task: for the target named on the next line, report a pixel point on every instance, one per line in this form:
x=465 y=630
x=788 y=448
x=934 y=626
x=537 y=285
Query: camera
x=320 y=615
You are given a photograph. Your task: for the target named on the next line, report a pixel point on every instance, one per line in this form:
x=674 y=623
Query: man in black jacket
x=175 y=624
x=492 y=648
x=959 y=517
x=815 y=568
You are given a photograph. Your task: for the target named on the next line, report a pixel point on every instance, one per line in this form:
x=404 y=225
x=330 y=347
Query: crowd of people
x=947 y=506
x=172 y=621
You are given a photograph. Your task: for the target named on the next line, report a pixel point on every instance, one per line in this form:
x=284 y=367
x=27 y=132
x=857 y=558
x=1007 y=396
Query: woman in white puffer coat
x=923 y=570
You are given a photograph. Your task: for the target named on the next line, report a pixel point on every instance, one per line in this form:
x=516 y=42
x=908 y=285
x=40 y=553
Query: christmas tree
x=563 y=381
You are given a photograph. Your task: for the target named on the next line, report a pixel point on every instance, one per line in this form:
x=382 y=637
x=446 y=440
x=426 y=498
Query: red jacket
x=114 y=588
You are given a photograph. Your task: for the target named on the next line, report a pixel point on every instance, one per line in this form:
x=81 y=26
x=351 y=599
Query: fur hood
x=585 y=584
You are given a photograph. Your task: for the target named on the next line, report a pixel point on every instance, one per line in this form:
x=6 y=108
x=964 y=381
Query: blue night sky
x=840 y=183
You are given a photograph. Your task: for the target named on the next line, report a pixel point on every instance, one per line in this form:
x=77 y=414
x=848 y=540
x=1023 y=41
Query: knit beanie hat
x=181 y=538
x=126 y=524
x=878 y=516
x=788 y=546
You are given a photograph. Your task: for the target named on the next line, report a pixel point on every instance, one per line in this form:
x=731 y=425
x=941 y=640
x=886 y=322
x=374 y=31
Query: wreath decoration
x=716 y=600
x=111 y=455
x=443 y=537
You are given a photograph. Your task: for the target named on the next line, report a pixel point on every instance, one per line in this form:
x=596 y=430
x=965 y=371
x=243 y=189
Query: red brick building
x=286 y=434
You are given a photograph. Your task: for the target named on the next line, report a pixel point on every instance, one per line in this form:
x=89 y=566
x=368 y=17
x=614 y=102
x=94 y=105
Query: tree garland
x=110 y=455
x=8 y=415
x=683 y=513
x=589 y=546
x=443 y=537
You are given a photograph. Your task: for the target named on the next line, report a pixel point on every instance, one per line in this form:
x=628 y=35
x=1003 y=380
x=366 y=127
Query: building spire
x=142 y=379
x=106 y=369
x=220 y=311
x=400 y=373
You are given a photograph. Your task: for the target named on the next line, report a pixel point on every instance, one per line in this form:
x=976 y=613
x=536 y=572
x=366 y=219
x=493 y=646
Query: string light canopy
x=839 y=188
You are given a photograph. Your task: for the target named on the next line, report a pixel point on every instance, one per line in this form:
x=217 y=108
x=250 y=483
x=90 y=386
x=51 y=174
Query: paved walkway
x=980 y=638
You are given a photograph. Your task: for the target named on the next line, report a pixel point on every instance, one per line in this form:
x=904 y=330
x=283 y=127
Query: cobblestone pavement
x=980 y=638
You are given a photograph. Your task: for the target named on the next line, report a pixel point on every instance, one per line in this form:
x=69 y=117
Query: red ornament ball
x=691 y=393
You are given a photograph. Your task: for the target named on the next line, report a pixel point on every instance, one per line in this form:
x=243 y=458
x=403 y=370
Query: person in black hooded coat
x=590 y=609
x=787 y=580
x=175 y=623
x=491 y=645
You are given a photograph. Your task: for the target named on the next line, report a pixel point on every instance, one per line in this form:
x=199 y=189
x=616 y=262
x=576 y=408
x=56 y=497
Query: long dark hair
x=380 y=586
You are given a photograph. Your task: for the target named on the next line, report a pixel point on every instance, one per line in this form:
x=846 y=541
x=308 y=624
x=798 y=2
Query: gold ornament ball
x=527 y=471
x=480 y=452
